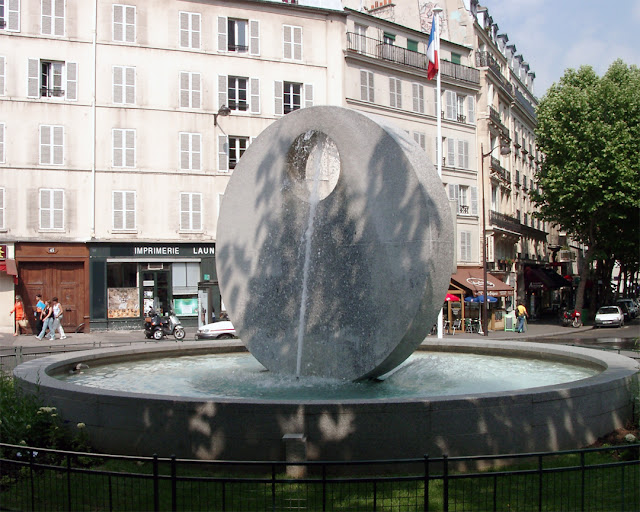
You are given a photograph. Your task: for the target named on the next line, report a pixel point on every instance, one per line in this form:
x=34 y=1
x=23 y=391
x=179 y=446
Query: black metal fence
x=592 y=479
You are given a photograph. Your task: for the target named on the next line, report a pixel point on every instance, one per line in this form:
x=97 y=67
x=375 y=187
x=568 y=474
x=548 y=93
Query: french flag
x=433 y=49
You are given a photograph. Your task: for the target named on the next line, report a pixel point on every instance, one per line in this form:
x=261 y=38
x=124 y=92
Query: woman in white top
x=57 y=318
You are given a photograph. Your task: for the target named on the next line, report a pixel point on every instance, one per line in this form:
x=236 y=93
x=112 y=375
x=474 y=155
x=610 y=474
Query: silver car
x=609 y=316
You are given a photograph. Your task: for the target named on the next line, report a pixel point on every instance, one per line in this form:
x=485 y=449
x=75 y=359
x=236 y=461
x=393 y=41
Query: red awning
x=472 y=279
x=9 y=266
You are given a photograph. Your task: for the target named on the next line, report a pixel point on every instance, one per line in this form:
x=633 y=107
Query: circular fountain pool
x=424 y=374
x=543 y=416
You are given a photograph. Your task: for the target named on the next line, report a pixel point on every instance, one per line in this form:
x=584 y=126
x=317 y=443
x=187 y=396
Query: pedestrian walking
x=522 y=316
x=38 y=312
x=20 y=319
x=57 y=319
x=47 y=322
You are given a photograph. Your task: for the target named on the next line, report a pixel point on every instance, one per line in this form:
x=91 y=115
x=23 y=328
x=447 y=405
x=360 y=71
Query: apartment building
x=120 y=125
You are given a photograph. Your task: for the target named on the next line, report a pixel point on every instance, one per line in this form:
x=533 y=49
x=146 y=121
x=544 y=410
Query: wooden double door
x=64 y=280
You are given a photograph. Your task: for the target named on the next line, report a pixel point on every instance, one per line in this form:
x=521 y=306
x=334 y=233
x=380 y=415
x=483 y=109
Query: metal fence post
x=445 y=483
x=540 y=483
x=582 y=475
x=156 y=486
x=69 y=481
x=33 y=491
x=426 y=482
x=273 y=487
x=174 y=485
x=324 y=487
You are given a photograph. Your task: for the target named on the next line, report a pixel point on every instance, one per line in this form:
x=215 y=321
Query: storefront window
x=185 y=277
x=122 y=290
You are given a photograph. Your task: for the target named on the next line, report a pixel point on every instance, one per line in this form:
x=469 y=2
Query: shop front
x=129 y=279
x=500 y=296
x=8 y=281
x=544 y=290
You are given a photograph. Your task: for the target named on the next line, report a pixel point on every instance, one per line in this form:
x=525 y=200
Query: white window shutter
x=130 y=210
x=196 y=90
x=58 y=209
x=184 y=151
x=130 y=24
x=465 y=149
x=460 y=153
x=58 y=145
x=416 y=104
x=118 y=23
x=451 y=152
x=2 y=155
x=130 y=141
x=308 y=95
x=254 y=92
x=184 y=29
x=117 y=145
x=398 y=93
x=13 y=16
x=46 y=18
x=223 y=91
x=471 y=110
x=223 y=45
x=184 y=89
x=297 y=43
x=118 y=87
x=363 y=85
x=454 y=194
x=118 y=210
x=254 y=37
x=223 y=153
x=130 y=86
x=45 y=209
x=287 y=41
x=278 y=98
x=72 y=81
x=58 y=17
x=185 y=208
x=195 y=31
x=196 y=212
x=450 y=112
x=392 y=92
x=2 y=75
x=33 y=78
x=474 y=200
x=196 y=151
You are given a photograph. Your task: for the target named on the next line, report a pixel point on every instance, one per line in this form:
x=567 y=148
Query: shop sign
x=155 y=250
x=3 y=252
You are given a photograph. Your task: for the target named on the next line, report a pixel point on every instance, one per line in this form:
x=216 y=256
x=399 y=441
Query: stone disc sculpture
x=334 y=245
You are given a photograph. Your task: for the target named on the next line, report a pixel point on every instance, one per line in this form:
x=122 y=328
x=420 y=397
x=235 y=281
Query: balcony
x=486 y=60
x=48 y=93
x=379 y=50
x=503 y=221
x=494 y=117
x=500 y=173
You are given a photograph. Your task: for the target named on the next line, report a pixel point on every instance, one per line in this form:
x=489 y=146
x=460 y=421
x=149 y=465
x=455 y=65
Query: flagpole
x=436 y=19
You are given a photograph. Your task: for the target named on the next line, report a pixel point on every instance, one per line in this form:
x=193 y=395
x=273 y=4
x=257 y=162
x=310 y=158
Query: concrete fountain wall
x=548 y=418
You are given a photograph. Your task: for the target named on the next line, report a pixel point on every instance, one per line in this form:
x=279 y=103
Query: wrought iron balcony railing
x=55 y=92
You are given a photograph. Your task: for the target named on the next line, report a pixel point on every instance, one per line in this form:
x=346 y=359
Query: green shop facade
x=127 y=279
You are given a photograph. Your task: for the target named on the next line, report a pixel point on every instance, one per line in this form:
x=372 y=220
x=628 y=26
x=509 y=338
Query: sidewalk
x=538 y=329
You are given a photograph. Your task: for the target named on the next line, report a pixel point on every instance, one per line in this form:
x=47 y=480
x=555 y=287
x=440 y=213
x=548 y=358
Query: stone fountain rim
x=40 y=372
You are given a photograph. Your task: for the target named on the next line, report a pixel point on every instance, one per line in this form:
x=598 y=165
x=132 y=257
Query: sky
x=554 y=35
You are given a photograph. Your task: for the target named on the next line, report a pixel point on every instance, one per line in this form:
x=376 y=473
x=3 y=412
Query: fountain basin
x=555 y=417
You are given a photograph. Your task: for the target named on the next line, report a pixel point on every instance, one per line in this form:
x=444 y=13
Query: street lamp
x=222 y=111
x=505 y=149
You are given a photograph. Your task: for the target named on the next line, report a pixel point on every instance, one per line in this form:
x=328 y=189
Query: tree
x=589 y=132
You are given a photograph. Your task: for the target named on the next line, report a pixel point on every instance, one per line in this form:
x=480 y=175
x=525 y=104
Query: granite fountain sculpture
x=334 y=252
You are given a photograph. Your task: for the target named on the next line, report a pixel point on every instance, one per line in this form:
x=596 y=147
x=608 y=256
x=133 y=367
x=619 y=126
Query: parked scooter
x=157 y=327
x=573 y=318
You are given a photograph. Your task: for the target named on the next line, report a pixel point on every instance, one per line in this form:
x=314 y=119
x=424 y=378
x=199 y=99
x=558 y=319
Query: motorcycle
x=573 y=318
x=157 y=327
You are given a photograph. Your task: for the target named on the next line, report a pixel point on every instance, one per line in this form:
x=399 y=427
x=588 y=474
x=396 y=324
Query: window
x=360 y=35
x=51 y=208
x=190 y=151
x=388 y=38
x=239 y=93
x=412 y=45
x=292 y=42
x=465 y=245
x=190 y=211
x=124 y=85
x=2 y=74
x=124 y=147
x=494 y=198
x=395 y=92
x=290 y=96
x=455 y=107
x=456 y=58
x=124 y=23
x=2 y=144
x=48 y=79
x=239 y=36
x=366 y=86
x=185 y=277
x=124 y=210
x=466 y=198
x=190 y=89
x=2 y=208
x=418 y=98
x=237 y=147
x=52 y=18
x=190 y=30
x=421 y=139
x=10 y=15
x=122 y=275
x=51 y=145
x=458 y=153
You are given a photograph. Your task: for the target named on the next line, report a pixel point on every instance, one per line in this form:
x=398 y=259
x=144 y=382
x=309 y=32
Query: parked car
x=626 y=306
x=631 y=306
x=609 y=315
x=222 y=330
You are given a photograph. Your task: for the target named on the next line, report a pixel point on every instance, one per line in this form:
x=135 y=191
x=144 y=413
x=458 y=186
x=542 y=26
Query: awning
x=472 y=279
x=9 y=266
x=539 y=278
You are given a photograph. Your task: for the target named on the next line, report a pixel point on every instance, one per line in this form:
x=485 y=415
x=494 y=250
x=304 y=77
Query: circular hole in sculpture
x=313 y=165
